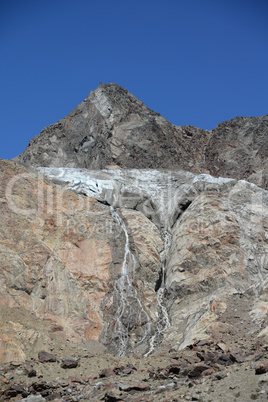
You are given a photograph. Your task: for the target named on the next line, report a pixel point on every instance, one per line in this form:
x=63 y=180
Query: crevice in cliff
x=104 y=202
x=185 y=205
x=159 y=281
x=163 y=321
x=182 y=207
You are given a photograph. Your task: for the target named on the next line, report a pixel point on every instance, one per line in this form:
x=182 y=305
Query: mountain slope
x=150 y=275
x=239 y=148
x=113 y=128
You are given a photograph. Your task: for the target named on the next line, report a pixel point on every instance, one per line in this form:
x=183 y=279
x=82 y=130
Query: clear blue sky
x=196 y=62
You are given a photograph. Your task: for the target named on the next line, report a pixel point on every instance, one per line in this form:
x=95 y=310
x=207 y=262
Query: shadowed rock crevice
x=159 y=281
x=182 y=207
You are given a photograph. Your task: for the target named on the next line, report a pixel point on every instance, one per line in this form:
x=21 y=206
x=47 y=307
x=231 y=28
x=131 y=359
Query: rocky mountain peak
x=111 y=127
x=114 y=102
x=165 y=270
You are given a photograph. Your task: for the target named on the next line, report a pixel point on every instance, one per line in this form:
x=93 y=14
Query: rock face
x=61 y=254
x=239 y=148
x=218 y=249
x=129 y=258
x=217 y=266
x=113 y=128
x=78 y=271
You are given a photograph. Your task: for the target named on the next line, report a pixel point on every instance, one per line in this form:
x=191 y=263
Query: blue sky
x=195 y=62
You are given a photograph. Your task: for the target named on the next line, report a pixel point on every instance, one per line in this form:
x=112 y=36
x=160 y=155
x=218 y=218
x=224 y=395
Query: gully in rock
x=130 y=313
x=163 y=322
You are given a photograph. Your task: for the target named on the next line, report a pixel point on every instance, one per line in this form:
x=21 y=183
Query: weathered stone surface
x=54 y=274
x=197 y=371
x=113 y=128
x=113 y=396
x=69 y=362
x=239 y=148
x=262 y=368
x=32 y=373
x=46 y=357
x=106 y=373
x=218 y=252
x=140 y=386
x=212 y=258
x=60 y=253
x=72 y=239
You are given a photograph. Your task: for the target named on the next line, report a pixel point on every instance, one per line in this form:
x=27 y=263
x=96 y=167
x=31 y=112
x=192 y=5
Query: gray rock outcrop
x=113 y=128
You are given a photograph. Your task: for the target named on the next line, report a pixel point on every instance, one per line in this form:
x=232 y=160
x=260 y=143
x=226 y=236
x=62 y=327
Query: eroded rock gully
x=150 y=280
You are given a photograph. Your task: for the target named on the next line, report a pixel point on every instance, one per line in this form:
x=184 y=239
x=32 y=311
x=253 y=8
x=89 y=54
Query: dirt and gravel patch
x=204 y=371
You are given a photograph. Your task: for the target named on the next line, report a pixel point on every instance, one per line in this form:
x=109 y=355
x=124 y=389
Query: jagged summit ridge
x=112 y=128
